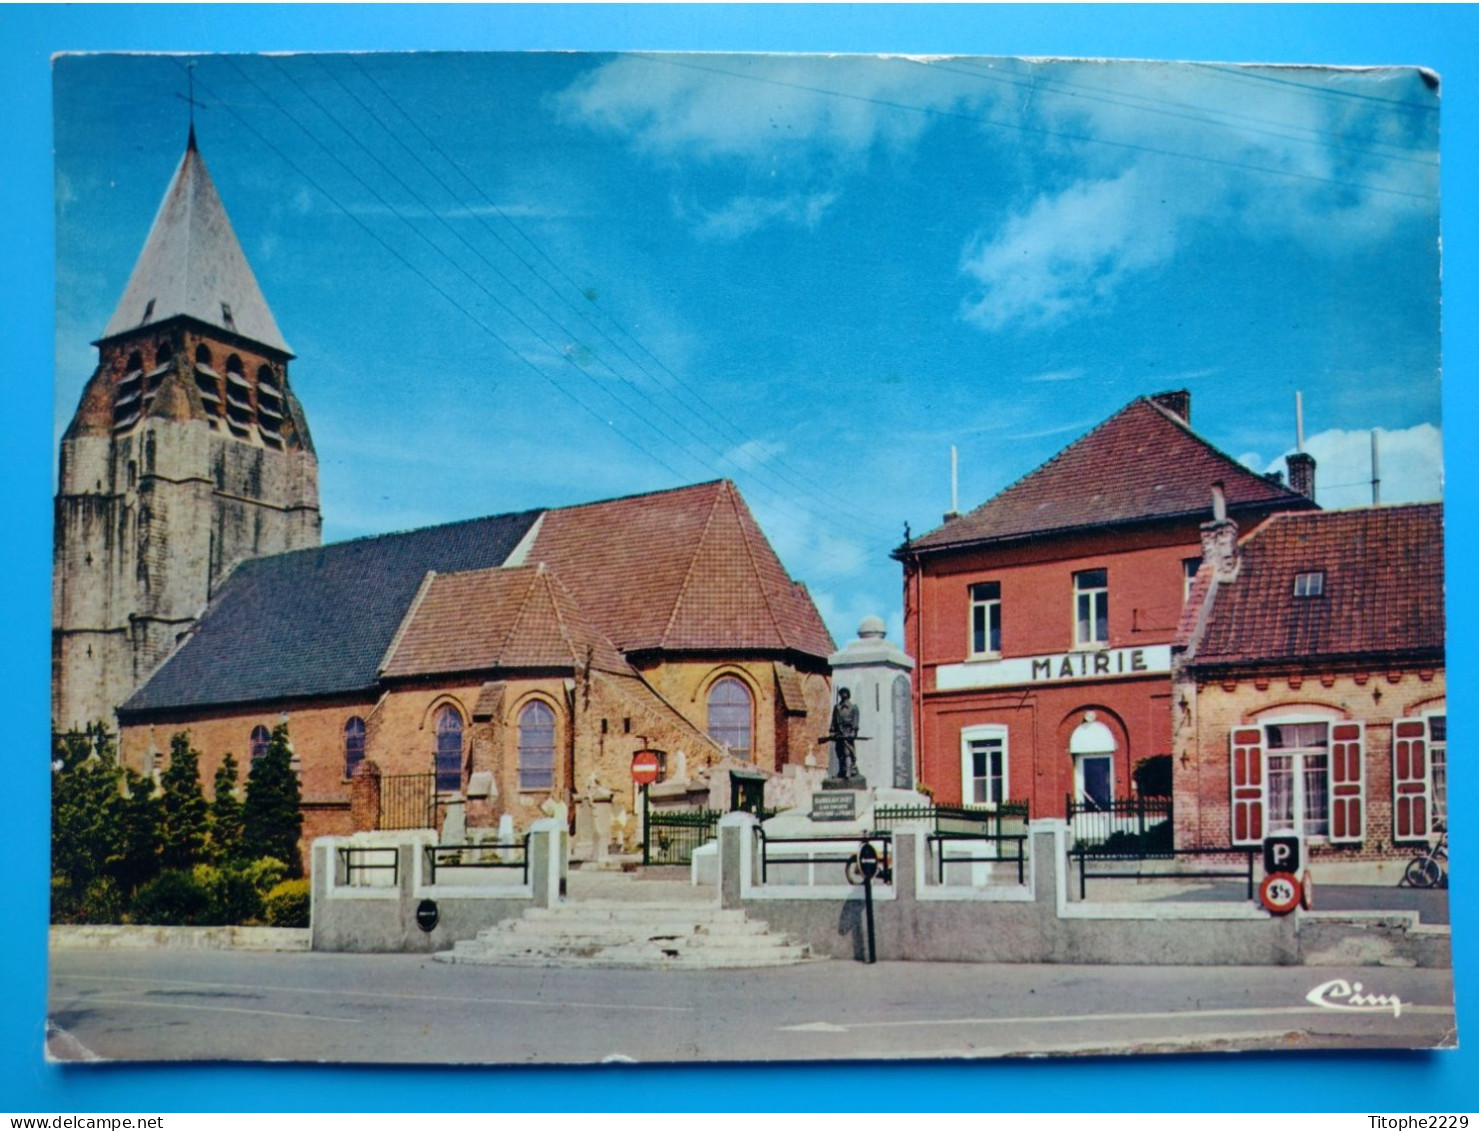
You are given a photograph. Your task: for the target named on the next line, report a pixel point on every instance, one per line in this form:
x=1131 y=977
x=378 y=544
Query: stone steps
x=634 y=935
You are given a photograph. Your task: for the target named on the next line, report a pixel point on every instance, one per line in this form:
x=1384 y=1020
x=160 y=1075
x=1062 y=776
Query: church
x=515 y=660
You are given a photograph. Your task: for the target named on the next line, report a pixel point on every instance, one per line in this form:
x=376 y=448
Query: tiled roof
x=1382 y=589
x=192 y=264
x=1142 y=463
x=499 y=619
x=317 y=621
x=682 y=570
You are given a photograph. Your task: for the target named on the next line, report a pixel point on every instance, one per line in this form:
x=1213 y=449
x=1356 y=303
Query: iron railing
x=445 y=857
x=670 y=836
x=996 y=853
x=1088 y=856
x=354 y=862
x=1102 y=822
x=846 y=853
x=955 y=819
x=408 y=801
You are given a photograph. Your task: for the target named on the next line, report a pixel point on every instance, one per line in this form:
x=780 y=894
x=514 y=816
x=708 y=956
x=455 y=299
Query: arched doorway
x=1092 y=747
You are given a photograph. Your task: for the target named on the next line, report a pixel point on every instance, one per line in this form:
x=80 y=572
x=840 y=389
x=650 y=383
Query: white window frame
x=968 y=736
x=1079 y=593
x=984 y=606
x=1438 y=812
x=1309 y=583
x=1190 y=567
x=1330 y=722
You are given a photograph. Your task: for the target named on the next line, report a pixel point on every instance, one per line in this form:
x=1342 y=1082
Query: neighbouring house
x=1042 y=621
x=521 y=659
x=1310 y=696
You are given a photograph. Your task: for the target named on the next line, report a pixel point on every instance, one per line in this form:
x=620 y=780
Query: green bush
x=173 y=899
x=234 y=898
x=102 y=902
x=286 y=905
x=264 y=873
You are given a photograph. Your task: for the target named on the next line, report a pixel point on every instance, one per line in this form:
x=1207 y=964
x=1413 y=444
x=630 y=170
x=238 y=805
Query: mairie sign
x=1061 y=667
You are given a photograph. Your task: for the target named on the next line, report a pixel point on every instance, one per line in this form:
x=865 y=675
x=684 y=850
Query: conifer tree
x=226 y=813
x=273 y=814
x=140 y=820
x=185 y=818
x=85 y=805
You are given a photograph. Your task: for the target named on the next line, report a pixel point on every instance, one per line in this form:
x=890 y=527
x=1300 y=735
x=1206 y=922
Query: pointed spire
x=193 y=265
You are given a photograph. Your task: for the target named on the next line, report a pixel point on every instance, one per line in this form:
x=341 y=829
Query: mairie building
x=1043 y=621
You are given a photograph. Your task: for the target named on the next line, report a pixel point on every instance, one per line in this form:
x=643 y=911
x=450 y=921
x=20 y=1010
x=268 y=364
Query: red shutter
x=1247 y=785
x=1409 y=780
x=1347 y=782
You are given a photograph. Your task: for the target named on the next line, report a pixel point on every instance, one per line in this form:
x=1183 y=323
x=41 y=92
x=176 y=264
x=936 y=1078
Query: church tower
x=187 y=454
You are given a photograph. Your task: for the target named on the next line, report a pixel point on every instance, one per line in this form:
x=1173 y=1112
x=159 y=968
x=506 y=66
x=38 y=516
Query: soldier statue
x=845 y=734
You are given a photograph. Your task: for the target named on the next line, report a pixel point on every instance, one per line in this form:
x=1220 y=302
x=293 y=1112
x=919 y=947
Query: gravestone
x=878 y=674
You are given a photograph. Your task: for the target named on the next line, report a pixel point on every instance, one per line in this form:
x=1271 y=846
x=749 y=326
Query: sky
x=536 y=279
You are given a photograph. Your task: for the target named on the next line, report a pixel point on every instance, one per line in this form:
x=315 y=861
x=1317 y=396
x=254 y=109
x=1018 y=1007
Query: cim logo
x=1349 y=996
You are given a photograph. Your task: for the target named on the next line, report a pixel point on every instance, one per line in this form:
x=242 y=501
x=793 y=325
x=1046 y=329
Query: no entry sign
x=646 y=765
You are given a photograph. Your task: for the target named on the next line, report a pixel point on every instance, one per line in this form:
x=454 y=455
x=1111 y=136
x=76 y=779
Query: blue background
x=1440 y=37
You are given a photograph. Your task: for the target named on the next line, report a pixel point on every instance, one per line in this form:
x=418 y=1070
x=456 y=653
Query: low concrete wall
x=98 y=937
x=1037 y=922
x=368 y=913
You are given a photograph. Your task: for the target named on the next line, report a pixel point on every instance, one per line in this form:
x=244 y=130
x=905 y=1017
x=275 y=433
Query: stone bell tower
x=188 y=453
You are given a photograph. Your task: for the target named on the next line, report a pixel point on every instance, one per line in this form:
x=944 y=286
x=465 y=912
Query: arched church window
x=238 y=398
x=260 y=739
x=128 y=393
x=730 y=714
x=537 y=746
x=208 y=382
x=269 y=407
x=449 y=750
x=354 y=744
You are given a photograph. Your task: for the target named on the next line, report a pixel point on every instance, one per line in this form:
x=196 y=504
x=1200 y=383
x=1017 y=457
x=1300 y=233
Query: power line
x=1019 y=127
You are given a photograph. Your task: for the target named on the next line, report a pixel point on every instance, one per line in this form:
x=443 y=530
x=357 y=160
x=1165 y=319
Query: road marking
x=382 y=996
x=1084 y=1018
x=115 y=1000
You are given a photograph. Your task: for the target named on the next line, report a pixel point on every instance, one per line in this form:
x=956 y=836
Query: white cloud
x=745 y=214
x=1164 y=152
x=1410 y=461
x=718 y=105
x=754 y=453
x=1070 y=251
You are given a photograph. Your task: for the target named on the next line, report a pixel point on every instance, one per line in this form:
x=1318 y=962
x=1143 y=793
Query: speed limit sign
x=1280 y=892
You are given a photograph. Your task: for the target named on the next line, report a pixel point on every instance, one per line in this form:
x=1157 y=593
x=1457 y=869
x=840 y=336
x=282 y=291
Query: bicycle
x=1429 y=869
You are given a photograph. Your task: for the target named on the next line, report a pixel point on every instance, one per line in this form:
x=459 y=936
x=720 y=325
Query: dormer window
x=226 y=316
x=1311 y=584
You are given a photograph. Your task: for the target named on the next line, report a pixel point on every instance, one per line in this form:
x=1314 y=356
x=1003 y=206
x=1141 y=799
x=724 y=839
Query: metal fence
x=1008 y=818
x=408 y=801
x=1097 y=864
x=813 y=850
x=1123 y=821
x=448 y=857
x=670 y=836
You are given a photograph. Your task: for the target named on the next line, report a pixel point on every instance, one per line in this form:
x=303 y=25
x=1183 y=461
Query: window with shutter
x=1247 y=785
x=1347 y=783
x=1411 y=804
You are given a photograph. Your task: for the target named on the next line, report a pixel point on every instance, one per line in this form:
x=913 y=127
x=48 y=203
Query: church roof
x=487 y=619
x=1380 y=590
x=193 y=265
x=681 y=570
x=1143 y=463
x=686 y=570
x=317 y=621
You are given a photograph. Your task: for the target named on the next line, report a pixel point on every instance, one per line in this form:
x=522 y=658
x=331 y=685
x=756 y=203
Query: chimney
x=1220 y=539
x=1177 y=402
x=1302 y=473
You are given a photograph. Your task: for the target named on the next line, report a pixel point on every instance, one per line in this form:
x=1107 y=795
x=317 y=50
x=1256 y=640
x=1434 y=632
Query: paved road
x=211 y=1005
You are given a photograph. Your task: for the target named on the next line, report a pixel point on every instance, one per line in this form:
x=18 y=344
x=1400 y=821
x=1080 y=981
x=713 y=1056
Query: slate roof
x=507 y=619
x=1383 y=590
x=192 y=263
x=1143 y=463
x=316 y=621
x=681 y=570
